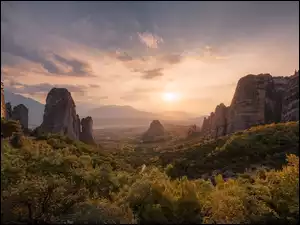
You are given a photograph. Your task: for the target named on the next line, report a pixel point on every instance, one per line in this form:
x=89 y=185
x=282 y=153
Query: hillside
x=54 y=179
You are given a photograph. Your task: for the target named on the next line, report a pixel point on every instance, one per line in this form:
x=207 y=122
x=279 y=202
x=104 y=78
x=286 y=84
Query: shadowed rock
x=60 y=114
x=86 y=134
x=155 y=131
x=8 y=110
x=290 y=108
x=20 y=113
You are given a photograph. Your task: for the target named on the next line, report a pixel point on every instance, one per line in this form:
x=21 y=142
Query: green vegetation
x=8 y=127
x=52 y=179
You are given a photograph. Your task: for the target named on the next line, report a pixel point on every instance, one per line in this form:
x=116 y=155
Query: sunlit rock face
x=60 y=114
x=258 y=99
x=86 y=134
x=250 y=101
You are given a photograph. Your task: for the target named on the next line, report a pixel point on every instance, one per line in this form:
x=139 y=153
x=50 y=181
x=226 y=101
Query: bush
x=57 y=180
x=8 y=127
x=17 y=140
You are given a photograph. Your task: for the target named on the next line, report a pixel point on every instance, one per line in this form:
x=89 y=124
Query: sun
x=170 y=97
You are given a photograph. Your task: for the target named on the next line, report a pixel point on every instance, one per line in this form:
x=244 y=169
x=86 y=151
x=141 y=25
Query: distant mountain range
x=107 y=115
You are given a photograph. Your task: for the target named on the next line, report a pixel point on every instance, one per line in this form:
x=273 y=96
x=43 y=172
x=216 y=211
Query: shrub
x=8 y=127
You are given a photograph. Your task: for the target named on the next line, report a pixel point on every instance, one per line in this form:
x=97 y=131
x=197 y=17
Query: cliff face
x=60 y=114
x=3 y=110
x=254 y=102
x=86 y=134
x=20 y=113
x=290 y=108
x=258 y=99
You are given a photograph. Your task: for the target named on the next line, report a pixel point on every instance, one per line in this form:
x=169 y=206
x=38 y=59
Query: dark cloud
x=94 y=85
x=78 y=68
x=102 y=97
x=150 y=74
x=172 y=59
x=42 y=88
x=123 y=56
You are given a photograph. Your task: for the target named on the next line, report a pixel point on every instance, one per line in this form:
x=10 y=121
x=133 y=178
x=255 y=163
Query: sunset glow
x=170 y=97
x=137 y=53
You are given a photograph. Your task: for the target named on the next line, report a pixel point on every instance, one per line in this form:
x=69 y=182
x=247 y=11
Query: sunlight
x=170 y=97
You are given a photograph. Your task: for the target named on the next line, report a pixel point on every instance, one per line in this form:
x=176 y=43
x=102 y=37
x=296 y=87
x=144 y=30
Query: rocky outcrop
x=221 y=118
x=215 y=125
x=60 y=114
x=3 y=109
x=20 y=113
x=8 y=110
x=86 y=134
x=156 y=131
x=258 y=99
x=290 y=108
x=193 y=131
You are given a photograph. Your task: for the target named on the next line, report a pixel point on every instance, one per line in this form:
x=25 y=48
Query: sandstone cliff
x=86 y=134
x=258 y=99
x=60 y=114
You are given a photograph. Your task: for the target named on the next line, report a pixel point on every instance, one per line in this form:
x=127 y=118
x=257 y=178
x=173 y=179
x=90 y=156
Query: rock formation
x=86 y=134
x=155 y=131
x=8 y=110
x=20 y=113
x=290 y=108
x=60 y=114
x=193 y=130
x=3 y=109
x=258 y=99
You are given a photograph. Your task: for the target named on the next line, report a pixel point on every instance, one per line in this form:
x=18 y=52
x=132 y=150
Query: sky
x=137 y=53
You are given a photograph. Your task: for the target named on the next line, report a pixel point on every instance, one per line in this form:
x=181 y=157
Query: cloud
x=153 y=73
x=139 y=93
x=123 y=56
x=43 y=88
x=172 y=58
x=78 y=68
x=210 y=54
x=54 y=64
x=94 y=85
x=150 y=40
